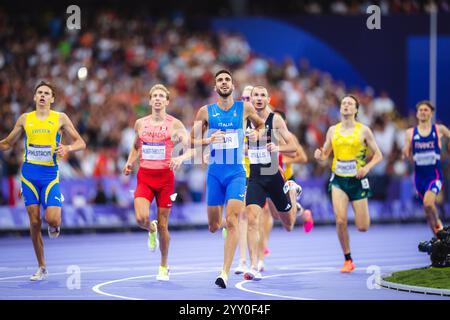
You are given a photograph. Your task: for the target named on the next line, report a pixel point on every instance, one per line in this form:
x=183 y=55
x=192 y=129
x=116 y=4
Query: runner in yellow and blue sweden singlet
x=40 y=174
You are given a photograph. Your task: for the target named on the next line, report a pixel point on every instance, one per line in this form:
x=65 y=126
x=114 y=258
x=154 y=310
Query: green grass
x=438 y=278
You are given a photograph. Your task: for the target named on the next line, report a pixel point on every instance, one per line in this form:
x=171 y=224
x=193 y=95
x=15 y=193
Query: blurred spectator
x=339 y=7
x=114 y=198
x=79 y=199
x=383 y=104
x=100 y=195
x=12 y=166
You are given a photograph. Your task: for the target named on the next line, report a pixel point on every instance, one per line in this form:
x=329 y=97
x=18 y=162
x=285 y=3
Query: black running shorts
x=259 y=188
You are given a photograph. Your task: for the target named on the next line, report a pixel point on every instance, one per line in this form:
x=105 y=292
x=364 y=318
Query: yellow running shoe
x=224 y=233
x=163 y=274
x=153 y=241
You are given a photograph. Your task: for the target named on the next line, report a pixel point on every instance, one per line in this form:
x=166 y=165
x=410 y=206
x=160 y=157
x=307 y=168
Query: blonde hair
x=159 y=86
x=248 y=88
x=259 y=87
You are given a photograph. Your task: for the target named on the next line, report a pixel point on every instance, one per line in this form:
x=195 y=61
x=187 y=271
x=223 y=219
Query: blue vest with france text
x=426 y=151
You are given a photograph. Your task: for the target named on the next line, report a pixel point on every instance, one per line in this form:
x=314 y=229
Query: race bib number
x=347 y=168
x=365 y=183
x=39 y=153
x=230 y=141
x=259 y=155
x=426 y=158
x=153 y=151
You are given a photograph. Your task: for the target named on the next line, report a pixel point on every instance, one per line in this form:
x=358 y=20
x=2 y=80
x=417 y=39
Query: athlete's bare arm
x=258 y=123
x=15 y=134
x=181 y=141
x=323 y=153
x=369 y=139
x=299 y=156
x=134 y=152
x=68 y=127
x=406 y=151
x=281 y=131
x=199 y=128
x=444 y=131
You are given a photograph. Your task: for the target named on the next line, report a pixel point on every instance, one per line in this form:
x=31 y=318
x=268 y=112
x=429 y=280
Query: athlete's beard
x=224 y=95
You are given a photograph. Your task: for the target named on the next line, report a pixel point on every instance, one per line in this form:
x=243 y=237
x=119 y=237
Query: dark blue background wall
x=348 y=50
x=418 y=70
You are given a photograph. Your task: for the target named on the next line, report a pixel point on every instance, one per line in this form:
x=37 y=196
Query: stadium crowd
x=125 y=57
x=350 y=7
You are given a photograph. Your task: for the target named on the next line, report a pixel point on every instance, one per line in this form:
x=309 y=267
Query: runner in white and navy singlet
x=423 y=142
x=427 y=160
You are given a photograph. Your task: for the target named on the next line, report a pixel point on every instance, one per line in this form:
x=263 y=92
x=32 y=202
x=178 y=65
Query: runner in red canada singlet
x=156 y=136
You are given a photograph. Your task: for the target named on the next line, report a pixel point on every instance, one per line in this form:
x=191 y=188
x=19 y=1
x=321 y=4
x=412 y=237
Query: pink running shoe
x=308 y=225
x=266 y=251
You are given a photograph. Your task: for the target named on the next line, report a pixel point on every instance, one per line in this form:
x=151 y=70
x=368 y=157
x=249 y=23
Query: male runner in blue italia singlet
x=226 y=175
x=424 y=142
x=40 y=174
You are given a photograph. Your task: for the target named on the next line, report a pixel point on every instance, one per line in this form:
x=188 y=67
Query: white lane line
x=240 y=284
x=83 y=271
x=97 y=287
x=57 y=274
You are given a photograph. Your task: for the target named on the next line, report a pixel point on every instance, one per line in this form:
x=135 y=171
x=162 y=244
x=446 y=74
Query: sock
x=348 y=257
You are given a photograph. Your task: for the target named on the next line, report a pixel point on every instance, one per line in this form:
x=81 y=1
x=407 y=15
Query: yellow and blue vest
x=41 y=139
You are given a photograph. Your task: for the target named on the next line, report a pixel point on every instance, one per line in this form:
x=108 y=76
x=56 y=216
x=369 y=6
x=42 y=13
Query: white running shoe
x=39 y=275
x=252 y=274
x=260 y=266
x=54 y=232
x=153 y=242
x=163 y=274
x=292 y=185
x=241 y=268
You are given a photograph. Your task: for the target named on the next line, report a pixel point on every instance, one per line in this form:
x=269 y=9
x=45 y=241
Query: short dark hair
x=223 y=71
x=43 y=83
x=356 y=101
x=353 y=97
x=425 y=102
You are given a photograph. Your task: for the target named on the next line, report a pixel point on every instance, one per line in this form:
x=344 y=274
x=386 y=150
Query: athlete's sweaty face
x=424 y=113
x=260 y=98
x=158 y=100
x=224 y=85
x=44 y=96
x=348 y=106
